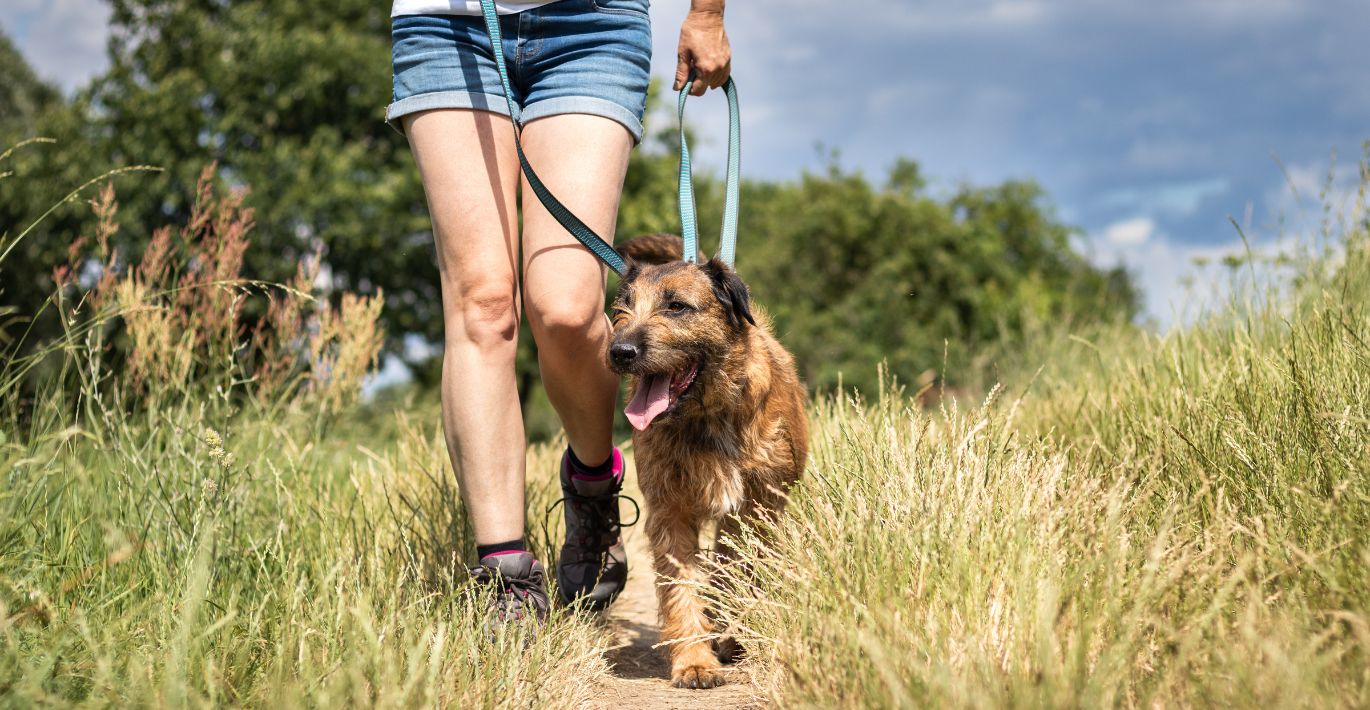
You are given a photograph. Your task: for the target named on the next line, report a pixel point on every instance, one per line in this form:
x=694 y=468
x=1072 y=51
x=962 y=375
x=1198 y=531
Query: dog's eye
x=678 y=307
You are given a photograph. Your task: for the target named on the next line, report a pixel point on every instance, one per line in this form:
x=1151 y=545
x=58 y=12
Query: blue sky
x=1150 y=124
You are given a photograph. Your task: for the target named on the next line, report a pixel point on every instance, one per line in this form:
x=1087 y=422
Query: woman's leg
x=470 y=173
x=583 y=160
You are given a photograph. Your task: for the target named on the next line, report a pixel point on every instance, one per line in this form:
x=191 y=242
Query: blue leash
x=582 y=232
x=727 y=239
x=572 y=223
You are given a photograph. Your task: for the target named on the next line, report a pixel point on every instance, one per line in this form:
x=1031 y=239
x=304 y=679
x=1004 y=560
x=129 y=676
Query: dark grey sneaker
x=521 y=587
x=593 y=567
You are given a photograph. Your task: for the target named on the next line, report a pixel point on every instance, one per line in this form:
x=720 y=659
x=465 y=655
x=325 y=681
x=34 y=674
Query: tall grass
x=1151 y=521
x=195 y=511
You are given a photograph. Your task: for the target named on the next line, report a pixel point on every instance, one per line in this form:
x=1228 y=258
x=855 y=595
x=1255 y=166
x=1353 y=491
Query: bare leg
x=470 y=174
x=582 y=159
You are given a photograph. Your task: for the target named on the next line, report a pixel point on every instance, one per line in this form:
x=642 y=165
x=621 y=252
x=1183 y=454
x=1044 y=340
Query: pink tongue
x=652 y=398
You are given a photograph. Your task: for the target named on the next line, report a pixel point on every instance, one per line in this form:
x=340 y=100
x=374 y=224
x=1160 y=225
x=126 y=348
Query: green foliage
x=215 y=523
x=288 y=99
x=855 y=274
x=23 y=96
x=287 y=96
x=1166 y=521
x=194 y=555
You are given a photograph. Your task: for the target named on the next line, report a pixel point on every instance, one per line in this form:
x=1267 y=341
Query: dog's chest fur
x=706 y=480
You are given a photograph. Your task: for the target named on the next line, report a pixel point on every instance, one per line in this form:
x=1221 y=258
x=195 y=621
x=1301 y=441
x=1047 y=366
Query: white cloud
x=1129 y=232
x=1176 y=199
x=922 y=16
x=1319 y=197
x=1314 y=183
x=978 y=16
x=64 y=40
x=1180 y=282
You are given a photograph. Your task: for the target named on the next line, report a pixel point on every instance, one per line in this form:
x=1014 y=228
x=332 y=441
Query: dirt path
x=640 y=675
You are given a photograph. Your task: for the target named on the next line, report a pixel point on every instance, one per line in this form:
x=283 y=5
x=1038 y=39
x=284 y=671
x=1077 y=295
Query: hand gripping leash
x=727 y=238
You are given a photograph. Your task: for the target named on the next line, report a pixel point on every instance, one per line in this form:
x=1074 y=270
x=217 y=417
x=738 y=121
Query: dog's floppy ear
x=731 y=292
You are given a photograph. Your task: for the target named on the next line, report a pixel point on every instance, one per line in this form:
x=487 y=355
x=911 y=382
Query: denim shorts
x=569 y=56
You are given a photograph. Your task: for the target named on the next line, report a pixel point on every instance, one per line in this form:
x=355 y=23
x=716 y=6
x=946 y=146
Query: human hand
x=704 y=48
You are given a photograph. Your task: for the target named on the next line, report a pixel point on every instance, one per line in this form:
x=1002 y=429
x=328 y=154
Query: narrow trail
x=640 y=676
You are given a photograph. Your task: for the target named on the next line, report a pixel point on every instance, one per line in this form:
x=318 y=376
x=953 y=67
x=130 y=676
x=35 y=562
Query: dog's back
x=654 y=249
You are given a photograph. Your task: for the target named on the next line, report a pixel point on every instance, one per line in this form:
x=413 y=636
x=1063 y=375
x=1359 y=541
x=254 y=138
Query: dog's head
x=673 y=324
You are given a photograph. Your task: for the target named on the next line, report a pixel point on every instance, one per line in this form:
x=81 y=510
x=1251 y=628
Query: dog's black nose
x=623 y=354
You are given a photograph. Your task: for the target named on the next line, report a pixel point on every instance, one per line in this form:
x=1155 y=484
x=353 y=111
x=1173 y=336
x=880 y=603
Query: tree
x=23 y=96
x=28 y=176
x=287 y=96
x=855 y=274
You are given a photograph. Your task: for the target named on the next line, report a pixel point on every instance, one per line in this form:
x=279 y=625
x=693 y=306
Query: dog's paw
x=697 y=676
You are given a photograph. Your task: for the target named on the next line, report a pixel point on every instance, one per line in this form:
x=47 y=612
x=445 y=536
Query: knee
x=565 y=323
x=487 y=317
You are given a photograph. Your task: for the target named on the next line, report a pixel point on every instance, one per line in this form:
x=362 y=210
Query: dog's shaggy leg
x=726 y=647
x=762 y=505
x=684 y=612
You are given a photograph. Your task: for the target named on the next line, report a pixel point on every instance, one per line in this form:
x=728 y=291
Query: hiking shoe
x=521 y=587
x=593 y=567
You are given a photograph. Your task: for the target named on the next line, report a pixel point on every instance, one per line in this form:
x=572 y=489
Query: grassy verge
x=1182 y=520
x=195 y=511
x=173 y=559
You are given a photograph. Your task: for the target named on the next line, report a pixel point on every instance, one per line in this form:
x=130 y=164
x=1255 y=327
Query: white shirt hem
x=459 y=7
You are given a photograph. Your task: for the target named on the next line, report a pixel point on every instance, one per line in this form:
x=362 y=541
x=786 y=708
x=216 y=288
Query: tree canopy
x=287 y=96
x=22 y=94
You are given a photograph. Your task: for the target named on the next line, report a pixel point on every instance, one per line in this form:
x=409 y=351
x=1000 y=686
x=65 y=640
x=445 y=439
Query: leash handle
x=689 y=227
x=564 y=216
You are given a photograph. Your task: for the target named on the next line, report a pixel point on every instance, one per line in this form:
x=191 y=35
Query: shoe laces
x=597 y=530
x=513 y=591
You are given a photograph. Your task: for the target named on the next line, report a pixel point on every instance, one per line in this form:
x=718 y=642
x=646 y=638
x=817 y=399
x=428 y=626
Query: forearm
x=704 y=48
x=711 y=7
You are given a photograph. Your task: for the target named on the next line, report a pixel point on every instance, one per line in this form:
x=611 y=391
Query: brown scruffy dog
x=720 y=431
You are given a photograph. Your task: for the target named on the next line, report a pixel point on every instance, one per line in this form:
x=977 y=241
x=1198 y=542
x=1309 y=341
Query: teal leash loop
x=689 y=227
x=564 y=216
x=689 y=231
